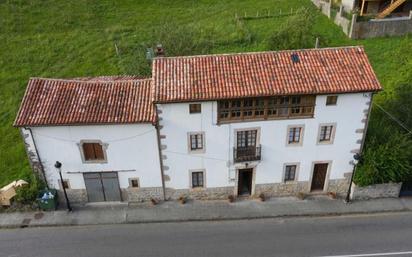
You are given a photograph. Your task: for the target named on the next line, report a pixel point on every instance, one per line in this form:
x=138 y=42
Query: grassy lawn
x=77 y=38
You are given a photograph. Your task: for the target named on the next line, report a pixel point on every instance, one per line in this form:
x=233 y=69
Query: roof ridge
x=89 y=81
x=261 y=52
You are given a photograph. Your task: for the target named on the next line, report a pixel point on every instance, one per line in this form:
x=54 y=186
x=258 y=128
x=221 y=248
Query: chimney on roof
x=160 y=52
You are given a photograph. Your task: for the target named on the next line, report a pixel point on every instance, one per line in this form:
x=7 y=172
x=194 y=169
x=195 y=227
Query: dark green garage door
x=102 y=186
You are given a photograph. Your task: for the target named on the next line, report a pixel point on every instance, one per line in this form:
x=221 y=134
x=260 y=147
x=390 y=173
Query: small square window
x=290 y=173
x=65 y=184
x=197 y=179
x=195 y=108
x=331 y=99
x=134 y=182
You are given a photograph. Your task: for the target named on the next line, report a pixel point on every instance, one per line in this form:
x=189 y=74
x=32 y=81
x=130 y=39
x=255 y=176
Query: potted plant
x=154 y=201
x=301 y=196
x=332 y=195
x=182 y=199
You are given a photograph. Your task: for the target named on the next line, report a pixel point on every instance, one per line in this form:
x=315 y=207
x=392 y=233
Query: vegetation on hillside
x=388 y=153
x=92 y=38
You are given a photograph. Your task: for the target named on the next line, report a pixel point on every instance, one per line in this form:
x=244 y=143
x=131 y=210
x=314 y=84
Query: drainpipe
x=157 y=126
x=38 y=156
x=358 y=156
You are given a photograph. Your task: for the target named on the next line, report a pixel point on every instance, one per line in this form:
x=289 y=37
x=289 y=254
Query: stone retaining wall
x=381 y=27
x=324 y=7
x=387 y=190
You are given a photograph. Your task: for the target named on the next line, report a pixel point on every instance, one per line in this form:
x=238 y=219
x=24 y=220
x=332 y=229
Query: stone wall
x=142 y=194
x=324 y=6
x=282 y=189
x=342 y=21
x=201 y=193
x=375 y=191
x=380 y=27
x=74 y=195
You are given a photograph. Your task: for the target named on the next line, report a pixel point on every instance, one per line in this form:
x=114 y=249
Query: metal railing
x=247 y=154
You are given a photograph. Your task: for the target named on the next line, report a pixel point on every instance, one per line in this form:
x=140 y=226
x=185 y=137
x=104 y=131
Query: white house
x=205 y=127
x=101 y=130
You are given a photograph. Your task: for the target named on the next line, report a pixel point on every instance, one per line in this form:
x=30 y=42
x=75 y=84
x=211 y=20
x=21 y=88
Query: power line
x=394 y=118
x=203 y=157
x=106 y=141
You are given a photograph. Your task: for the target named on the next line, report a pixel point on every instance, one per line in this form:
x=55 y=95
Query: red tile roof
x=212 y=77
x=101 y=100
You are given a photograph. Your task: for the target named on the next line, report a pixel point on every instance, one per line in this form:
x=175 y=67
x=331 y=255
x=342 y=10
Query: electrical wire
x=106 y=141
x=393 y=118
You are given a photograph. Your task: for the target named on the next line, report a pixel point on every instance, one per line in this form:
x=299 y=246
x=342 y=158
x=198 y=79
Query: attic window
x=295 y=58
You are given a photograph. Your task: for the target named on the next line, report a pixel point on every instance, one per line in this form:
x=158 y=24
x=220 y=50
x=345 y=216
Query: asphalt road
x=377 y=235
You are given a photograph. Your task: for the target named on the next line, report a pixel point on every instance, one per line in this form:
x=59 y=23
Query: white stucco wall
x=131 y=150
x=219 y=142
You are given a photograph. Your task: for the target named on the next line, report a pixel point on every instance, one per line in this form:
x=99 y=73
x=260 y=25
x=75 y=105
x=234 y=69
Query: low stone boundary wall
x=380 y=27
x=388 y=190
x=324 y=7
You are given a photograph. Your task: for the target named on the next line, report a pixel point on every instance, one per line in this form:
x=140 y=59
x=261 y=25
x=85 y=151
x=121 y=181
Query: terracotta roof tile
x=101 y=100
x=212 y=77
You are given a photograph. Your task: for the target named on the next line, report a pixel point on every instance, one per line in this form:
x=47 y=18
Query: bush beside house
x=388 y=150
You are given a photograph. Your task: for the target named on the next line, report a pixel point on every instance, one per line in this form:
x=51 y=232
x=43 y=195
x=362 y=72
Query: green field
x=59 y=38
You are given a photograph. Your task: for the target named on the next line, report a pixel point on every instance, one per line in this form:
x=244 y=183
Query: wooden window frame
x=301 y=135
x=82 y=152
x=195 y=108
x=197 y=187
x=332 y=134
x=331 y=100
x=189 y=142
x=266 y=108
x=285 y=167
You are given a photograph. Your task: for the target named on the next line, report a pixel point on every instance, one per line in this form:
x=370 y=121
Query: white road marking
x=370 y=254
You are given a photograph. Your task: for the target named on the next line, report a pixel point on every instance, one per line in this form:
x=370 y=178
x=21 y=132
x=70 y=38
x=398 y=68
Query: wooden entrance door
x=319 y=176
x=244 y=186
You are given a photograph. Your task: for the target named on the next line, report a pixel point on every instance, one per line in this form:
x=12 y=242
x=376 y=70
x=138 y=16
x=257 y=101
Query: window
x=65 y=184
x=263 y=108
x=93 y=152
x=326 y=133
x=197 y=179
x=196 y=141
x=331 y=99
x=195 y=108
x=290 y=173
x=133 y=182
x=246 y=138
x=295 y=135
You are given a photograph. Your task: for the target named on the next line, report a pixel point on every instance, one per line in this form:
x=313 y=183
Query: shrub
x=385 y=162
x=181 y=40
x=295 y=33
x=387 y=156
x=28 y=194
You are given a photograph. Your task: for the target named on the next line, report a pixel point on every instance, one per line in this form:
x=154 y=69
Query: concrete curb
x=207 y=219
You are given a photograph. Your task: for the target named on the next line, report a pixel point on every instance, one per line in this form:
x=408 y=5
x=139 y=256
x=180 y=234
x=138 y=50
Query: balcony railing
x=247 y=154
